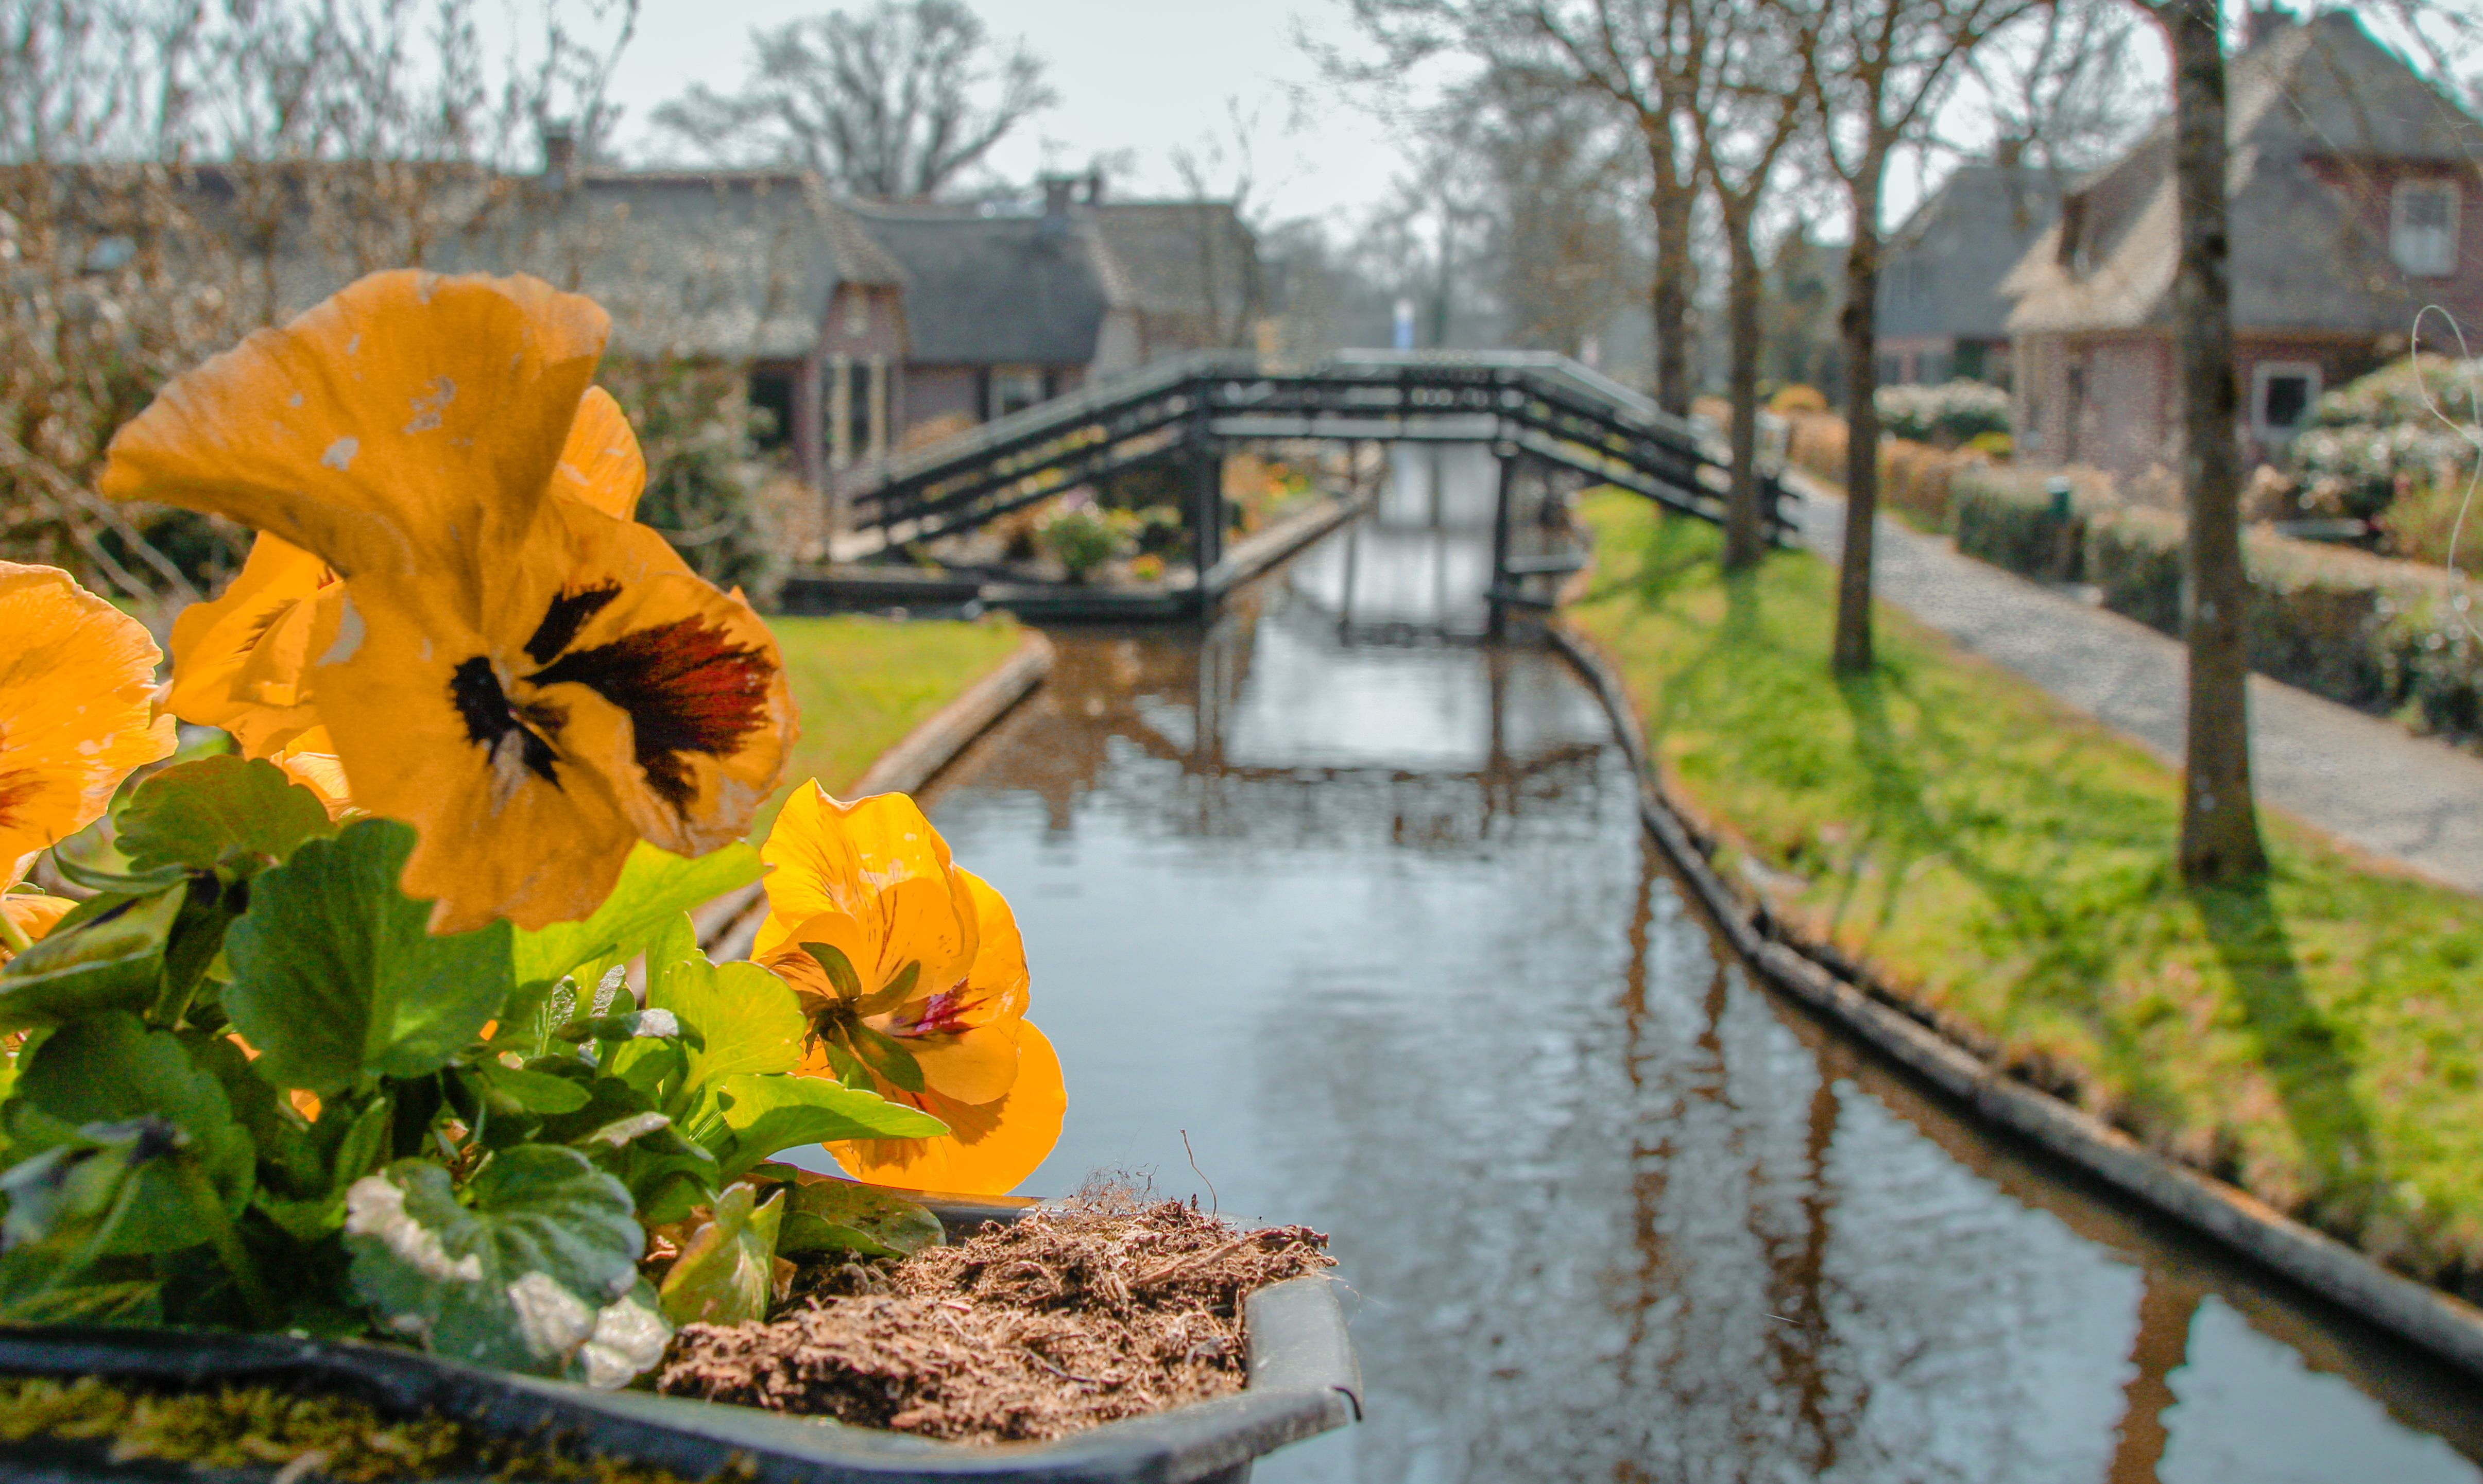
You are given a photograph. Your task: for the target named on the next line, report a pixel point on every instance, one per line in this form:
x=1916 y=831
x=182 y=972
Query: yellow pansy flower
x=77 y=713
x=534 y=682
x=912 y=976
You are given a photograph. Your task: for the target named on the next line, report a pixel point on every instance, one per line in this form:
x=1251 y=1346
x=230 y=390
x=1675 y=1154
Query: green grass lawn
x=2006 y=864
x=860 y=684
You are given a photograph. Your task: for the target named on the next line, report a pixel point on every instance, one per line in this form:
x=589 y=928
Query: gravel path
x=2361 y=779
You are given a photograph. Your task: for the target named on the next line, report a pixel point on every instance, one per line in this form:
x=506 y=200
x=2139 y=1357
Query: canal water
x=1361 y=908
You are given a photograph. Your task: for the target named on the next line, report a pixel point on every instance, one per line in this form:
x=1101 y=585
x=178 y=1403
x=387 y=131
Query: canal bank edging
x=2437 y=1321
x=727 y=925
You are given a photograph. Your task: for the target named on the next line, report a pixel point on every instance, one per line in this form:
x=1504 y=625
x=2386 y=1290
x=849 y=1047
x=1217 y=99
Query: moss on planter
x=262 y=1427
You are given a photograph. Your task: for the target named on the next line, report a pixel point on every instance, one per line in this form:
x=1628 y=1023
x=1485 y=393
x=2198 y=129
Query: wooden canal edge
x=2429 y=1317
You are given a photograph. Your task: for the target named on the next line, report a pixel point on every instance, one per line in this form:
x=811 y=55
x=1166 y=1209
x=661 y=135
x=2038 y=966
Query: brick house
x=2354 y=202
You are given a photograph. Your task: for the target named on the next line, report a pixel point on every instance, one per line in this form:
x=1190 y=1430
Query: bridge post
x=1206 y=505
x=1508 y=453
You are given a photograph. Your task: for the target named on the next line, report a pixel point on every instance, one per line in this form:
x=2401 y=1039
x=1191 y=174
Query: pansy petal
x=406 y=427
x=990 y=1147
x=77 y=709
x=213 y=642
x=424 y=728
x=995 y=985
x=673 y=691
x=311 y=761
x=600 y=466
x=973 y=1066
x=823 y=853
x=31 y=915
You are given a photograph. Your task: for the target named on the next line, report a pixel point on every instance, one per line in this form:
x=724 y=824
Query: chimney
x=1095 y=185
x=2267 y=25
x=560 y=155
x=1056 y=193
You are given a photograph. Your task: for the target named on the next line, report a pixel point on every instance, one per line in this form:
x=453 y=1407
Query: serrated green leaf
x=336 y=976
x=738 y=1018
x=219 y=811
x=757 y=1116
x=107 y=954
x=630 y=1336
x=110 y=1070
x=727 y=1271
x=833 y=1215
x=654 y=888
x=515 y=1278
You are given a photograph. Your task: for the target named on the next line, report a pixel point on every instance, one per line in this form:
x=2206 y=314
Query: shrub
x=2004 y=516
x=700 y=434
x=1948 y=415
x=2433 y=521
x=1797 y=398
x=2412 y=422
x=1082 y=536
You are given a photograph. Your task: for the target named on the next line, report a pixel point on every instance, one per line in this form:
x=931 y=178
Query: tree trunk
x=2220 y=840
x=1745 y=528
x=1860 y=321
x=1672 y=199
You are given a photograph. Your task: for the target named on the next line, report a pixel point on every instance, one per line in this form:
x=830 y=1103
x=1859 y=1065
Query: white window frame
x=2428 y=255
x=2267 y=371
x=857 y=312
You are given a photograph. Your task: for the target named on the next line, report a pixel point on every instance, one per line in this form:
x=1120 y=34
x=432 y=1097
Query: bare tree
x=2220 y=838
x=1877 y=69
x=892 y=103
x=1636 y=54
x=1741 y=77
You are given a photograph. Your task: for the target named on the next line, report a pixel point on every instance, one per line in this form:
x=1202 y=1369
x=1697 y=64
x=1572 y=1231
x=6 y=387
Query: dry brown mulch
x=1074 y=1315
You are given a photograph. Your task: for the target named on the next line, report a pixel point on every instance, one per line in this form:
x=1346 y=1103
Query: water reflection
x=1375 y=925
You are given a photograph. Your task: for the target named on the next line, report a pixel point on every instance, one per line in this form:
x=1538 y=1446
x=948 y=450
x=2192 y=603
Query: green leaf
x=337 y=978
x=107 y=954
x=894 y=992
x=673 y=943
x=839 y=969
x=622 y=1130
x=118 y=883
x=726 y=1272
x=735 y=1017
x=531 y=1092
x=757 y=1116
x=834 y=1215
x=517 y=1277
x=225 y=811
x=654 y=888
x=110 y=1070
x=883 y=1055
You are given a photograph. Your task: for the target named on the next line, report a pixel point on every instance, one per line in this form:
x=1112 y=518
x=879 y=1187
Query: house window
x=857 y=312
x=2422 y=228
x=1014 y=390
x=2282 y=392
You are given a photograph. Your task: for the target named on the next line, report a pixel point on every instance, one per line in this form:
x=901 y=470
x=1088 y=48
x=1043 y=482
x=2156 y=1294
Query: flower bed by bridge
x=2004 y=864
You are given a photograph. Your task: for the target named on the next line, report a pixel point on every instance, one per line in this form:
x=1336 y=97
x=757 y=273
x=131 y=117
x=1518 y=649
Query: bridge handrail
x=1551 y=365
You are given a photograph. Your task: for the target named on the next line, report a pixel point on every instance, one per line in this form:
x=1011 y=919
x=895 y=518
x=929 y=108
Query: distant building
x=2352 y=184
x=1943 y=315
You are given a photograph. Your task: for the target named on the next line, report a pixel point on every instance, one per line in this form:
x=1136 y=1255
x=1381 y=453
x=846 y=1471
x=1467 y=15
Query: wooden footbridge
x=1549 y=419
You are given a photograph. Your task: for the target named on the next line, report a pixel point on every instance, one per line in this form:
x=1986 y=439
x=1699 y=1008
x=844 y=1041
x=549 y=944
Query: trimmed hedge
x=2384 y=636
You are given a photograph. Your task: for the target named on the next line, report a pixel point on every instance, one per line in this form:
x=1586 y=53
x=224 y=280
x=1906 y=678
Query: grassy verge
x=860 y=684
x=2005 y=863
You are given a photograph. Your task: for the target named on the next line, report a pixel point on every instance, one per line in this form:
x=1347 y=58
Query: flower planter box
x=1303 y=1380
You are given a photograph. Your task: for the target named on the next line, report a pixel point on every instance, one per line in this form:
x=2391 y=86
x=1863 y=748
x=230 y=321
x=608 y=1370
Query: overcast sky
x=1136 y=78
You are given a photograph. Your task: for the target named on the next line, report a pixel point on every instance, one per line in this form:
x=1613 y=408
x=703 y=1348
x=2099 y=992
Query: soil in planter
x=1103 y=1308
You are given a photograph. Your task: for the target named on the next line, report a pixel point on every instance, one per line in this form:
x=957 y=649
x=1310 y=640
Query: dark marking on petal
x=484 y=707
x=687 y=687
x=567 y=614
x=17 y=787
